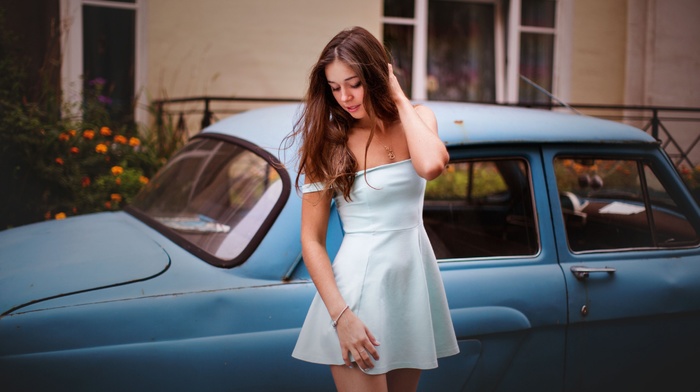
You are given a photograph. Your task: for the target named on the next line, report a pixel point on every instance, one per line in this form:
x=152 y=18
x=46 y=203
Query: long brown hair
x=324 y=125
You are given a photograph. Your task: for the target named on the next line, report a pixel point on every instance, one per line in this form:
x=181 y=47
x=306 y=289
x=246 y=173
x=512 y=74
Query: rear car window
x=216 y=197
x=481 y=208
x=617 y=204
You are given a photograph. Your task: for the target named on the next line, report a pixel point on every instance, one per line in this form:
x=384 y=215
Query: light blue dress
x=387 y=273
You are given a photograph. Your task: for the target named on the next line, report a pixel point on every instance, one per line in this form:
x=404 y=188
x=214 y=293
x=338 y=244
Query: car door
x=627 y=236
x=489 y=223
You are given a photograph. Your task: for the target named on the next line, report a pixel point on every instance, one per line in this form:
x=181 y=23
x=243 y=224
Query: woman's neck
x=365 y=125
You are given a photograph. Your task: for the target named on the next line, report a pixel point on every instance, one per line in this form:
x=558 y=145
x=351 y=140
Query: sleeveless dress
x=386 y=271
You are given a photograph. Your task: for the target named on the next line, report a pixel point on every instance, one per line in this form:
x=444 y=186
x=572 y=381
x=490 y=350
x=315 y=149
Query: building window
x=457 y=50
x=102 y=52
x=535 y=33
x=109 y=51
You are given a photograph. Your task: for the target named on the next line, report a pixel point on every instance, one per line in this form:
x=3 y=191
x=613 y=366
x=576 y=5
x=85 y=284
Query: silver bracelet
x=335 y=322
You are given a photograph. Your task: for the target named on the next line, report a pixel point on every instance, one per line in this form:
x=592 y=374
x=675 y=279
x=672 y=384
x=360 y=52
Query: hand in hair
x=397 y=93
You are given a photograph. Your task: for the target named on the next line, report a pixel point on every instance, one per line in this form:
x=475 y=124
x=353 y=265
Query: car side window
x=617 y=204
x=481 y=208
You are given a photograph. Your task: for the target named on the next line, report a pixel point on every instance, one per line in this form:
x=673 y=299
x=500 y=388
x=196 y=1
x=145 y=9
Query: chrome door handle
x=583 y=272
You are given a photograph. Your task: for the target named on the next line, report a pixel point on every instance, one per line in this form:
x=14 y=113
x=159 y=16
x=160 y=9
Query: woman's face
x=347 y=88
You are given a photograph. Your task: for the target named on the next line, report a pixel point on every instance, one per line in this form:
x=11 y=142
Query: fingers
x=346 y=358
x=362 y=357
x=372 y=350
x=396 y=90
x=357 y=343
x=363 y=360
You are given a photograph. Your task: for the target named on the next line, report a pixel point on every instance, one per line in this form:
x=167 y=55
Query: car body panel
x=104 y=252
x=641 y=313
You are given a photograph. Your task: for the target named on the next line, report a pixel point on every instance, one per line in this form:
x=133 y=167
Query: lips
x=352 y=109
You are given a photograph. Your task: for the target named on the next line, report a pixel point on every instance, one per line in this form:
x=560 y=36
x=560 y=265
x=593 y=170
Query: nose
x=345 y=95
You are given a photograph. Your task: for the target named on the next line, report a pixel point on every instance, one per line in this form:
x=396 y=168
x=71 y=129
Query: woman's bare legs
x=401 y=380
x=353 y=379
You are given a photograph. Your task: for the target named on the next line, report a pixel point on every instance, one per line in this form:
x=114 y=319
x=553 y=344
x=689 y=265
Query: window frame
x=261 y=231
x=71 y=12
x=507 y=31
x=640 y=157
x=531 y=160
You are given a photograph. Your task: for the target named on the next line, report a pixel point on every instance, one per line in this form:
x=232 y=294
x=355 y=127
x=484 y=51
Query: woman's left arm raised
x=428 y=153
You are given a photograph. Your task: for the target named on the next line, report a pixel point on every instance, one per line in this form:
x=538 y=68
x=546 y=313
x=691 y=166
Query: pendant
x=390 y=153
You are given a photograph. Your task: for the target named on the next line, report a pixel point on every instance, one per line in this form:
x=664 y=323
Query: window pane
x=213 y=194
x=108 y=58
x=399 y=8
x=538 y=13
x=481 y=208
x=671 y=227
x=536 y=64
x=604 y=207
x=461 y=60
x=399 y=41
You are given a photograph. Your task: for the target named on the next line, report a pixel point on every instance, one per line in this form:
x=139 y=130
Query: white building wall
x=245 y=48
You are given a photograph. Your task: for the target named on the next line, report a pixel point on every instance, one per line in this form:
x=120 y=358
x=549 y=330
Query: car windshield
x=219 y=195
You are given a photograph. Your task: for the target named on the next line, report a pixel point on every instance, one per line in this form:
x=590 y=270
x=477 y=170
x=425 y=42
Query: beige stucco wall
x=675 y=52
x=244 y=48
x=598 y=55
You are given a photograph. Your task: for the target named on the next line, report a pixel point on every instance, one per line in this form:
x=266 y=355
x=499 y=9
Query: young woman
x=380 y=315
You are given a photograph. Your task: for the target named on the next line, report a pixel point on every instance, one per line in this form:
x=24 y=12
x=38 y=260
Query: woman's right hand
x=356 y=339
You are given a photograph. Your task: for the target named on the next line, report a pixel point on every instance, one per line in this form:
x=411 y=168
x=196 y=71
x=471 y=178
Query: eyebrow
x=346 y=79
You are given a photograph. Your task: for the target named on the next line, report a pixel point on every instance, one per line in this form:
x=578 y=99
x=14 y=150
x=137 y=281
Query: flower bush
x=87 y=170
x=54 y=165
x=58 y=159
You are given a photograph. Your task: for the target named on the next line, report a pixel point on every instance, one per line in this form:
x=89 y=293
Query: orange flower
x=73 y=132
x=88 y=134
x=143 y=180
x=60 y=215
x=116 y=197
x=64 y=137
x=118 y=180
x=85 y=182
x=105 y=131
x=120 y=139
x=59 y=161
x=74 y=150
x=101 y=148
x=108 y=205
x=117 y=170
x=133 y=142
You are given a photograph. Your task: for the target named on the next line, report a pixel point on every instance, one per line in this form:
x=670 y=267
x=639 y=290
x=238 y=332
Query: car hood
x=58 y=258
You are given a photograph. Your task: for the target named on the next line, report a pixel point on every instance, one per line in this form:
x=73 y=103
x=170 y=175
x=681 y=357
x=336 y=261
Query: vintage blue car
x=568 y=245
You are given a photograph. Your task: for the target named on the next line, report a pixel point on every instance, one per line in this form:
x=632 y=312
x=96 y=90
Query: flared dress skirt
x=386 y=271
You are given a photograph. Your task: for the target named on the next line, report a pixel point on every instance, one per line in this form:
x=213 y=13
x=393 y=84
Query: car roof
x=458 y=123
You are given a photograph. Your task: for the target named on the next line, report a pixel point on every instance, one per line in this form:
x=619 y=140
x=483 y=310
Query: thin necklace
x=389 y=150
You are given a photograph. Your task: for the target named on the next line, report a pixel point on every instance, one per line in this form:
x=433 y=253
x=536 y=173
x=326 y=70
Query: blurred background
x=96 y=94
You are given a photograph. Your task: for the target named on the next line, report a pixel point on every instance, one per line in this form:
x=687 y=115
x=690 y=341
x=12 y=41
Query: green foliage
x=453 y=183
x=58 y=159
